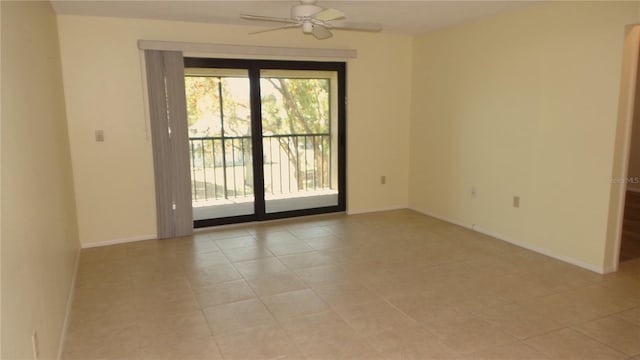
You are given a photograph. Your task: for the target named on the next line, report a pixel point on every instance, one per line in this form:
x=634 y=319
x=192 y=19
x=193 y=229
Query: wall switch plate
x=99 y=135
x=474 y=192
x=383 y=179
x=516 y=201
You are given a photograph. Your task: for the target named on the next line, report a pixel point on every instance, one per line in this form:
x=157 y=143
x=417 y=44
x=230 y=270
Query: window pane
x=219 y=119
x=297 y=121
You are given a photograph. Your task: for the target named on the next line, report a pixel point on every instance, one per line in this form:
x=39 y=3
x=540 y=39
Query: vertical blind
x=169 y=136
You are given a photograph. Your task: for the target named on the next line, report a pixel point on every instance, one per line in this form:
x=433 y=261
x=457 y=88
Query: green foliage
x=297 y=106
x=203 y=105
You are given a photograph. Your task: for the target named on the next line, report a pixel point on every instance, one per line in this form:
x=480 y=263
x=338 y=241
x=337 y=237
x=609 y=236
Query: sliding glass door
x=266 y=139
x=300 y=150
x=219 y=125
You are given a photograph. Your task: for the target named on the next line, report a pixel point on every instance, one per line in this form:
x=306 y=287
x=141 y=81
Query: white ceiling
x=403 y=17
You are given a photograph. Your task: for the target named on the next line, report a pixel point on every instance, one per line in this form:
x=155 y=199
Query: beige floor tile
x=393 y=341
x=347 y=255
x=320 y=328
x=174 y=296
x=289 y=248
x=260 y=268
x=276 y=236
x=263 y=342
x=429 y=310
x=305 y=260
x=632 y=315
x=157 y=273
x=562 y=277
x=238 y=315
x=103 y=254
x=219 y=234
x=326 y=242
x=511 y=351
x=102 y=342
x=514 y=287
x=519 y=321
x=390 y=286
x=246 y=254
x=347 y=350
x=168 y=323
x=193 y=262
x=428 y=349
x=295 y=303
x=395 y=285
x=620 y=285
x=105 y=273
x=618 y=333
x=373 y=317
x=276 y=284
x=200 y=242
x=223 y=293
x=170 y=289
x=577 y=306
x=324 y=275
x=236 y=242
x=214 y=274
x=181 y=347
x=471 y=334
x=90 y=309
x=341 y=295
x=610 y=296
x=307 y=232
x=570 y=344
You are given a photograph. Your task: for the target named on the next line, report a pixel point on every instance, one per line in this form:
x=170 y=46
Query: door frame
x=254 y=67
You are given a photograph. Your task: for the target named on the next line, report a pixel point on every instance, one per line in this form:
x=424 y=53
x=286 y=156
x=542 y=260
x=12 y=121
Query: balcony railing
x=222 y=167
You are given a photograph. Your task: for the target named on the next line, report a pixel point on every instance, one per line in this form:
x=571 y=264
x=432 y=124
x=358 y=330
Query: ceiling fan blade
x=360 y=26
x=275 y=28
x=328 y=15
x=321 y=32
x=268 y=18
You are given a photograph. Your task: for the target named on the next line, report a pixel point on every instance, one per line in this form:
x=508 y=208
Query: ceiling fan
x=314 y=20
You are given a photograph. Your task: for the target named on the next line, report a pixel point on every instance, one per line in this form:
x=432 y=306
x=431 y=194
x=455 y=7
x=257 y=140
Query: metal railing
x=222 y=167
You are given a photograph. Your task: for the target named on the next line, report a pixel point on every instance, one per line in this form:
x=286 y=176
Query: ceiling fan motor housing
x=304 y=12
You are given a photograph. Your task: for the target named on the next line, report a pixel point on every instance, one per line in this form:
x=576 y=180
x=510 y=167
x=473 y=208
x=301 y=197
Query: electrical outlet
x=383 y=179
x=474 y=192
x=516 y=201
x=34 y=344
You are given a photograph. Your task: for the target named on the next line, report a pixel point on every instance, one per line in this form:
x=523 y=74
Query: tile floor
x=392 y=285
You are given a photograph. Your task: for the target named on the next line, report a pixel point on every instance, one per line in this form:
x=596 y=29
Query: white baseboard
x=368 y=211
x=67 y=314
x=443 y=218
x=567 y=259
x=119 y=241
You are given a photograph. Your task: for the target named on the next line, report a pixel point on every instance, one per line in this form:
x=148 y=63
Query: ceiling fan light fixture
x=307 y=27
x=304 y=11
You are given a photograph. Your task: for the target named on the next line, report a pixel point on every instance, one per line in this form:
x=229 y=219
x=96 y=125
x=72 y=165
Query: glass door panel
x=299 y=137
x=219 y=119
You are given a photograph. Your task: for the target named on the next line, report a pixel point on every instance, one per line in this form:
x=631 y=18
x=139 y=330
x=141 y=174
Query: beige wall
x=39 y=234
x=104 y=90
x=522 y=104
